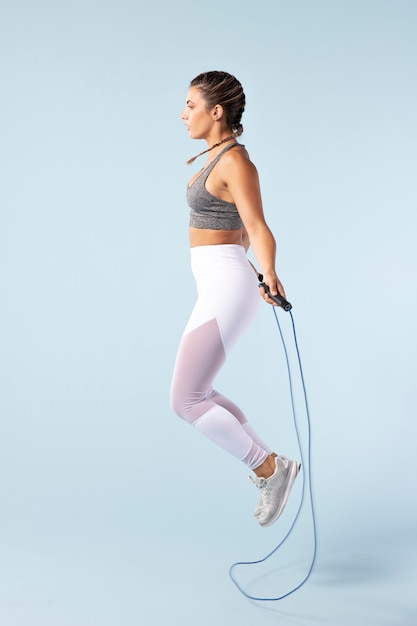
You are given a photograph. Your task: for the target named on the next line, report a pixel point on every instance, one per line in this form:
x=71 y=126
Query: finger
x=281 y=289
x=269 y=300
x=266 y=296
x=274 y=289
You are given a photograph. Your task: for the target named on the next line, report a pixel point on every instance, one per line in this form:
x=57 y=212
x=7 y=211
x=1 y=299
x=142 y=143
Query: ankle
x=267 y=468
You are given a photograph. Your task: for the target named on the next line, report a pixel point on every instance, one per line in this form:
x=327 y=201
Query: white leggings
x=228 y=301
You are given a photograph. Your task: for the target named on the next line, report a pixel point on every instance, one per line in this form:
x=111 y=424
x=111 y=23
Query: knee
x=187 y=405
x=178 y=403
x=177 y=406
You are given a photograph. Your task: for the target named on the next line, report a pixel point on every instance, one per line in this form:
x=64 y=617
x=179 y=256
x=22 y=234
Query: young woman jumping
x=226 y=217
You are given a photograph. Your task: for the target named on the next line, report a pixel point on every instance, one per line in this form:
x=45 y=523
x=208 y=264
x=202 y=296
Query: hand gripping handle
x=278 y=299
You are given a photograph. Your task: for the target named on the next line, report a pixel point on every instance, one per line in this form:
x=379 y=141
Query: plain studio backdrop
x=113 y=511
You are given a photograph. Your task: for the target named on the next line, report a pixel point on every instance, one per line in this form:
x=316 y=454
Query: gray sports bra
x=208 y=211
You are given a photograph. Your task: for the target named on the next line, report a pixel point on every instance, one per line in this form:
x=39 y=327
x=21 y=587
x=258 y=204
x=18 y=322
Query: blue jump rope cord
x=310 y=488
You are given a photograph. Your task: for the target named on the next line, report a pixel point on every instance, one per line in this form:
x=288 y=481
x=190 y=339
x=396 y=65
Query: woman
x=226 y=217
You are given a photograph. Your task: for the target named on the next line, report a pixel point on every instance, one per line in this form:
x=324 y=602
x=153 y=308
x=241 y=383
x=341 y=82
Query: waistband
x=219 y=257
x=221 y=250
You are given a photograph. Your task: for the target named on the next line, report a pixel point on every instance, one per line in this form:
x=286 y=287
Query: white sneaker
x=275 y=490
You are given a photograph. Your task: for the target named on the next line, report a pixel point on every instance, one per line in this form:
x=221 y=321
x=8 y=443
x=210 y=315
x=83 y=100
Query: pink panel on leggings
x=200 y=356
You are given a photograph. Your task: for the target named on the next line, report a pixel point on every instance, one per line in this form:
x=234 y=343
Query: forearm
x=264 y=247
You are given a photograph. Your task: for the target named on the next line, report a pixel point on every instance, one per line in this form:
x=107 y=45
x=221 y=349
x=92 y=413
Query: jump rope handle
x=278 y=299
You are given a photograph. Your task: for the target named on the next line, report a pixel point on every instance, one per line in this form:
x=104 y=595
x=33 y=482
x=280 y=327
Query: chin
x=194 y=135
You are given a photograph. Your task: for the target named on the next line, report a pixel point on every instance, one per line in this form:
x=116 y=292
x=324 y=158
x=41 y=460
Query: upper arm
x=242 y=180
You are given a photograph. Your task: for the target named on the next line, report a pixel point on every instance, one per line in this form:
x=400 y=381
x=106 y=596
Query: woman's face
x=198 y=119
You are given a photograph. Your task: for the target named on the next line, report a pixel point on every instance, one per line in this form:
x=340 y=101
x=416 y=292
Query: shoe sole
x=292 y=475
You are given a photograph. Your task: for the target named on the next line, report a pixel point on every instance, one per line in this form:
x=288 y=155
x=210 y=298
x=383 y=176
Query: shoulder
x=237 y=153
x=236 y=162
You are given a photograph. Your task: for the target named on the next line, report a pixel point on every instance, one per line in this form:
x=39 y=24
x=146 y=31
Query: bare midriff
x=207 y=237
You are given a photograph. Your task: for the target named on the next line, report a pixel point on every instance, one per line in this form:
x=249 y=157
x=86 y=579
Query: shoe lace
x=258 y=482
x=262 y=485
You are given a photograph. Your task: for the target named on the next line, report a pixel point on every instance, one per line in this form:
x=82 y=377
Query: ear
x=217 y=112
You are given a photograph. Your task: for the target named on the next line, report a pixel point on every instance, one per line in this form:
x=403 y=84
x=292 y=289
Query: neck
x=219 y=143
x=214 y=146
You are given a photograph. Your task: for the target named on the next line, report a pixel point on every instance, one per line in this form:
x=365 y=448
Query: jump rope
x=305 y=460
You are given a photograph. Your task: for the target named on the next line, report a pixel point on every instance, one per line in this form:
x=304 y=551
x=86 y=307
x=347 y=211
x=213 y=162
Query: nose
x=184 y=115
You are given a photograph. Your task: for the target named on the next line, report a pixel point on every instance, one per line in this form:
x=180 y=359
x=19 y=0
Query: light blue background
x=114 y=512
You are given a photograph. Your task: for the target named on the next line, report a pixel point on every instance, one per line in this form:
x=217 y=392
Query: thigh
x=199 y=358
x=227 y=292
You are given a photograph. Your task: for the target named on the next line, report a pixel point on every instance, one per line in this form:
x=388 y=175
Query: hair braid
x=235 y=134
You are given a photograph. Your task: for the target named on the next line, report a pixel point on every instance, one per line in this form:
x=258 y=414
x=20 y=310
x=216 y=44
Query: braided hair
x=224 y=89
